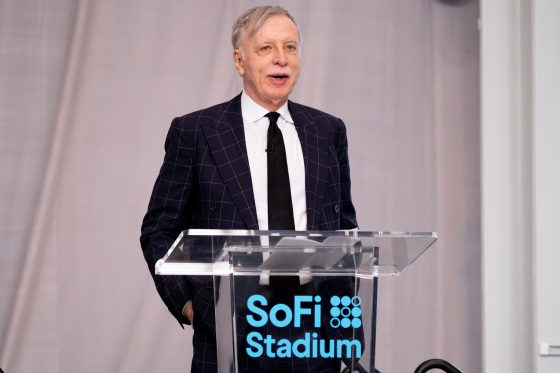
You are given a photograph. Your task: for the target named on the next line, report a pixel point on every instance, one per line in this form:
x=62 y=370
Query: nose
x=280 y=57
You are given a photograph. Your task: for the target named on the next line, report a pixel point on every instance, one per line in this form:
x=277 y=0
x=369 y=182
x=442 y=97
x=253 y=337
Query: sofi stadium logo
x=345 y=313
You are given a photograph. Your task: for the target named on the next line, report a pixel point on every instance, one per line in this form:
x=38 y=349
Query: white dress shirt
x=256 y=128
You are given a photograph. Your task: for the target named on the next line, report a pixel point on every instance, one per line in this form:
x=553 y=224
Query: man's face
x=268 y=61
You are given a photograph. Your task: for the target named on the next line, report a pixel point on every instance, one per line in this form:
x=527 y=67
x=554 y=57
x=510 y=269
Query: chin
x=280 y=96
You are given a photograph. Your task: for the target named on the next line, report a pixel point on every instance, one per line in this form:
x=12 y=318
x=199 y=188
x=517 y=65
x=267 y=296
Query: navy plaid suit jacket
x=205 y=182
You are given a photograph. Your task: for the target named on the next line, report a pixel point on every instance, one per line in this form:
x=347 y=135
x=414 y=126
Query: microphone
x=270 y=150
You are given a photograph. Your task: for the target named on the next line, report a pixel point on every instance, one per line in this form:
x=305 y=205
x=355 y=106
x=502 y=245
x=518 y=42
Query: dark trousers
x=204 y=342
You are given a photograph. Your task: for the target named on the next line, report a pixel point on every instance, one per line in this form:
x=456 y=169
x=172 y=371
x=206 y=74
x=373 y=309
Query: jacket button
x=213 y=209
x=208 y=285
x=336 y=208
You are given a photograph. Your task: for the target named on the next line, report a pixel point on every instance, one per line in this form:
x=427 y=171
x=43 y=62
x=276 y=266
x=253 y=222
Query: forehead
x=275 y=27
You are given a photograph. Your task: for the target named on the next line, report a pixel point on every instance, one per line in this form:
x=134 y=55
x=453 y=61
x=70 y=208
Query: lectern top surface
x=314 y=253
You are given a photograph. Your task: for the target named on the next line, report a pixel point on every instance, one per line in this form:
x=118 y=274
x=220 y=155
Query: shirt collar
x=252 y=112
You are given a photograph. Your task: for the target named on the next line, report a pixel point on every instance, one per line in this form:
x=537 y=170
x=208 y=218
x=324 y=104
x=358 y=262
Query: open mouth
x=278 y=79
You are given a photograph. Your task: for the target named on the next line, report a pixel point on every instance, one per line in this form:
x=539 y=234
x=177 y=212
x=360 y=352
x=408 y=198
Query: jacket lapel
x=314 y=152
x=226 y=141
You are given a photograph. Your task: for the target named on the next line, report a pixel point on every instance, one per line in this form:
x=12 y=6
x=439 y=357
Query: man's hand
x=188 y=312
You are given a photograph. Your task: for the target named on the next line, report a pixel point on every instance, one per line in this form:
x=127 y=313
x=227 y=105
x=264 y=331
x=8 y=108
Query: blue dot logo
x=346 y=312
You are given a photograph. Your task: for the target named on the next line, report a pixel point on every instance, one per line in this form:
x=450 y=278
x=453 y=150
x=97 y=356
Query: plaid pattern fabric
x=205 y=182
x=327 y=171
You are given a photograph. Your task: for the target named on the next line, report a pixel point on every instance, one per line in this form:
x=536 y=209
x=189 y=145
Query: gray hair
x=252 y=20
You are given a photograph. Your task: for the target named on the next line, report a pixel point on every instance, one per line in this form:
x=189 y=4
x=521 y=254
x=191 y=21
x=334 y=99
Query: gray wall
x=520 y=179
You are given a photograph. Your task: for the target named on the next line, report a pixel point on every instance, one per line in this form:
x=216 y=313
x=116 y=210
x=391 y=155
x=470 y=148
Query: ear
x=238 y=60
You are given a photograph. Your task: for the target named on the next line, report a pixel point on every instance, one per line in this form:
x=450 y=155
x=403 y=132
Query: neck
x=268 y=105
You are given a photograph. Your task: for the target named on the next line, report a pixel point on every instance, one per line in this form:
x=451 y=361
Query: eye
x=291 y=47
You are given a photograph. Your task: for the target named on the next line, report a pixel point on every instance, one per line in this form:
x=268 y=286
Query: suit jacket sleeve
x=168 y=215
x=347 y=211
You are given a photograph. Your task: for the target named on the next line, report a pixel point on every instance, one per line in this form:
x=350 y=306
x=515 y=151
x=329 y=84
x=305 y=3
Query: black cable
x=446 y=366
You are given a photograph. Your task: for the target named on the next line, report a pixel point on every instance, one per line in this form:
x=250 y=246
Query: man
x=217 y=168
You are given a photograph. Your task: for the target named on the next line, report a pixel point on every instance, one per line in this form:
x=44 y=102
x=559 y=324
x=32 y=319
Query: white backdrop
x=87 y=92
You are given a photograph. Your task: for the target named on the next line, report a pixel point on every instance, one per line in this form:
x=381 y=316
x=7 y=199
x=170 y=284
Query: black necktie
x=280 y=211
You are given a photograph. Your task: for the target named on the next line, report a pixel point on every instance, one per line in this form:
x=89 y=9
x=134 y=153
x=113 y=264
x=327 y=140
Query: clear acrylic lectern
x=284 y=298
